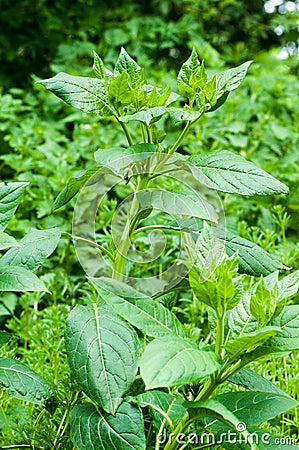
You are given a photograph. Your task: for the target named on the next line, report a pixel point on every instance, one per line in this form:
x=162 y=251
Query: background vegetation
x=44 y=142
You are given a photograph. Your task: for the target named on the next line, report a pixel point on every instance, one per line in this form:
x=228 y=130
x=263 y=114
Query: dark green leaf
x=288 y=321
x=22 y=382
x=33 y=249
x=94 y=430
x=254 y=382
x=10 y=197
x=249 y=341
x=103 y=353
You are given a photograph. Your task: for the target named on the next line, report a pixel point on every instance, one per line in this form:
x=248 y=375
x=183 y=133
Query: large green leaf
x=165 y=408
x=230 y=79
x=10 y=197
x=7 y=241
x=19 y=279
x=33 y=249
x=254 y=408
x=22 y=382
x=148 y=315
x=87 y=94
x=172 y=361
x=227 y=172
x=93 y=430
x=147 y=116
x=103 y=353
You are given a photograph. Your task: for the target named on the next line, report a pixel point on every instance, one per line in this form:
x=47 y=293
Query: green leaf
x=253 y=259
x=7 y=241
x=165 y=408
x=103 y=353
x=228 y=172
x=175 y=361
x=93 y=430
x=19 y=279
x=249 y=341
x=22 y=382
x=254 y=408
x=10 y=197
x=87 y=94
x=119 y=90
x=178 y=203
x=147 y=116
x=254 y=382
x=263 y=303
x=126 y=63
x=148 y=315
x=189 y=68
x=118 y=288
x=73 y=187
x=288 y=286
x=288 y=338
x=4 y=337
x=99 y=68
x=217 y=410
x=231 y=79
x=178 y=115
x=33 y=249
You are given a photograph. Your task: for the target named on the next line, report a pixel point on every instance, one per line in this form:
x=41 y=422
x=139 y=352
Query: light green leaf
x=10 y=197
x=99 y=68
x=164 y=408
x=253 y=259
x=254 y=408
x=119 y=90
x=249 y=341
x=103 y=353
x=231 y=79
x=93 y=430
x=147 y=116
x=178 y=203
x=148 y=315
x=179 y=115
x=19 y=279
x=175 y=361
x=190 y=67
x=118 y=288
x=22 y=382
x=288 y=321
x=7 y=241
x=228 y=172
x=33 y=249
x=73 y=187
x=288 y=286
x=126 y=63
x=263 y=303
x=87 y=94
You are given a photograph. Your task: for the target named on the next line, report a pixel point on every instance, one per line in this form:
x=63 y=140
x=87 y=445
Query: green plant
x=147 y=378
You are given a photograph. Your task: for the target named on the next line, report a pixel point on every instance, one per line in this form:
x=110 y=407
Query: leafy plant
x=147 y=379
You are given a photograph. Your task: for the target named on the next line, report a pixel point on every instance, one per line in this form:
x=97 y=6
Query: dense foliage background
x=43 y=141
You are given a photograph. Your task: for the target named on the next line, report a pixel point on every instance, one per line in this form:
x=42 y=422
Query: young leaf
x=148 y=315
x=288 y=286
x=228 y=172
x=190 y=67
x=119 y=90
x=126 y=63
x=249 y=341
x=229 y=80
x=87 y=94
x=99 y=68
x=173 y=361
x=164 y=408
x=33 y=249
x=263 y=303
x=10 y=197
x=254 y=408
x=22 y=382
x=103 y=353
x=92 y=429
x=19 y=279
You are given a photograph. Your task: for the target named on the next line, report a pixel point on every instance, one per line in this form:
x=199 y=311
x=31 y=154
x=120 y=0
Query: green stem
x=95 y=244
x=180 y=138
x=126 y=131
x=219 y=333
